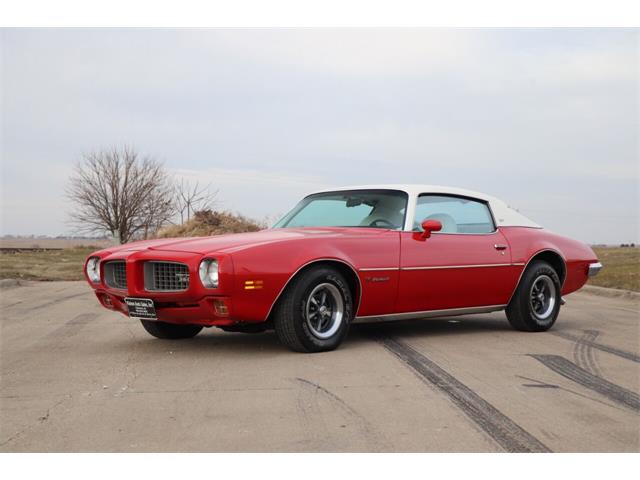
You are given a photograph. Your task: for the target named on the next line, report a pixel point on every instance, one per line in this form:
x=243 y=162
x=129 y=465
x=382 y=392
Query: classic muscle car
x=354 y=254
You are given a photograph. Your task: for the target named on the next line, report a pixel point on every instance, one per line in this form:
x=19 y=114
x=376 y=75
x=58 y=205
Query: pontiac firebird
x=349 y=255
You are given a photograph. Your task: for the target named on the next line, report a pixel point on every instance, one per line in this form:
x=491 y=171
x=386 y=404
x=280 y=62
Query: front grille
x=115 y=275
x=166 y=276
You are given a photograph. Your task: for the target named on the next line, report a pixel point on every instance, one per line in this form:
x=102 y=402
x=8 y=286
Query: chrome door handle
x=500 y=246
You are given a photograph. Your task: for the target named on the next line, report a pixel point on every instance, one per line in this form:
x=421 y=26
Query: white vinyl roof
x=504 y=215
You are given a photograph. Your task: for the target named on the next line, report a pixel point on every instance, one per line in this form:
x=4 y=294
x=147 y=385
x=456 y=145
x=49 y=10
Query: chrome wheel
x=542 y=297
x=324 y=310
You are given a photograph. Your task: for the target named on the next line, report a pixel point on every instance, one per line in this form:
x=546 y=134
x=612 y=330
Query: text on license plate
x=141 y=308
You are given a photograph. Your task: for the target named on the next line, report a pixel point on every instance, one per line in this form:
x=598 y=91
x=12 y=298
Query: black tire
x=535 y=309
x=172 y=331
x=290 y=316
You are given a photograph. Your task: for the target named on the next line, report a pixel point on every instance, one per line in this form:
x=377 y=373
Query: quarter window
x=457 y=214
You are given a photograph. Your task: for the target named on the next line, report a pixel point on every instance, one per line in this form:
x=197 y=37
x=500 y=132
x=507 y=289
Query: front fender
x=263 y=272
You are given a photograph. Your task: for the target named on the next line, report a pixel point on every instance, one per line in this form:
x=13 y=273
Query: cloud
x=257 y=193
x=361 y=52
x=537 y=117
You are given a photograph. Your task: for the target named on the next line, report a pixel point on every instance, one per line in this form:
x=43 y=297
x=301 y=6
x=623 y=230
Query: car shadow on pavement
x=433 y=327
x=209 y=339
x=215 y=340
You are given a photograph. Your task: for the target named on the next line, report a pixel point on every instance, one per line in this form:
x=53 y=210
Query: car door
x=466 y=264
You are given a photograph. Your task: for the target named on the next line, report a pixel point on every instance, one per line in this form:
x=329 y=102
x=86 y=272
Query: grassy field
x=63 y=264
x=26 y=242
x=621 y=266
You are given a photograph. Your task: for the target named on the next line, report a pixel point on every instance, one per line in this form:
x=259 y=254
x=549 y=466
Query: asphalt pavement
x=76 y=377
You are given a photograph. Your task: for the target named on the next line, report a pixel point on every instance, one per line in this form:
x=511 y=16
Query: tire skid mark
x=309 y=433
x=372 y=440
x=508 y=434
x=583 y=352
x=13 y=304
x=605 y=348
x=56 y=301
x=541 y=384
x=76 y=323
x=573 y=372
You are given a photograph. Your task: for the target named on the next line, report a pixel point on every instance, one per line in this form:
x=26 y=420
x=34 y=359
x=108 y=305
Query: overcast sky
x=545 y=119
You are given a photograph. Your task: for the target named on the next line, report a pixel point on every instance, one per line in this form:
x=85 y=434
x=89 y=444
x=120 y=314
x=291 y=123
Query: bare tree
x=192 y=198
x=118 y=192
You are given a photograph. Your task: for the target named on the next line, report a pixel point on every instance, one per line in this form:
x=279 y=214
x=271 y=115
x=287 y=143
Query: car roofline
x=504 y=215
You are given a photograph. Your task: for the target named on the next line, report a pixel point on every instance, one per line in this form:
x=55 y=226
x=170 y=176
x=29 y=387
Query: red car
x=355 y=254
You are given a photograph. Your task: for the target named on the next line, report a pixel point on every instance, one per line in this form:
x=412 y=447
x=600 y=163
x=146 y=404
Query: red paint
x=430 y=226
x=274 y=256
x=437 y=289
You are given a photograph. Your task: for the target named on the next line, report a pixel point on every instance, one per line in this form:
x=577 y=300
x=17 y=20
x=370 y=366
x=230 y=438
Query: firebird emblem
x=182 y=277
x=377 y=279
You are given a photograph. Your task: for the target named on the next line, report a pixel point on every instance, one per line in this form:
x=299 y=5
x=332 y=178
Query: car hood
x=238 y=241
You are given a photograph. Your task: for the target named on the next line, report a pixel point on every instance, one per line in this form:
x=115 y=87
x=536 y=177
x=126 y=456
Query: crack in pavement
x=39 y=421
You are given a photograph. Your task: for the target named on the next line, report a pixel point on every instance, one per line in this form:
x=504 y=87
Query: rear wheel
x=536 y=303
x=314 y=312
x=170 y=330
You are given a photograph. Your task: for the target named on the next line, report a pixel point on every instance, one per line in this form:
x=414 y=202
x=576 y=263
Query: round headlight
x=209 y=273
x=93 y=269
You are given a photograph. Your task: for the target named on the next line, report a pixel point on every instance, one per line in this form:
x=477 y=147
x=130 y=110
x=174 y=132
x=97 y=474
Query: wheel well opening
x=555 y=260
x=345 y=270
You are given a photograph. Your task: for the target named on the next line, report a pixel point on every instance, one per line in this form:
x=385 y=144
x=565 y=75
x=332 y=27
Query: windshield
x=351 y=208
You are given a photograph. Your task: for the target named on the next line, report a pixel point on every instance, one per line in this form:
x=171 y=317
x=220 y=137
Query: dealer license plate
x=141 y=308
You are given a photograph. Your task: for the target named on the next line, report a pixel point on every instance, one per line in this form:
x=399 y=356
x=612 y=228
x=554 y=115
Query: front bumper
x=208 y=311
x=594 y=269
x=194 y=305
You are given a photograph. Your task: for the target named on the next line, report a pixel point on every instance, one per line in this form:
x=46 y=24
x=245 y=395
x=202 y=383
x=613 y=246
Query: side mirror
x=430 y=226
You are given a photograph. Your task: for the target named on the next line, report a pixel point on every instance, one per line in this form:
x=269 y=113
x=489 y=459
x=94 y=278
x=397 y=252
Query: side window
x=457 y=214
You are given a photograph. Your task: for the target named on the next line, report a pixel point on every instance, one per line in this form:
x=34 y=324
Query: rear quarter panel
x=526 y=243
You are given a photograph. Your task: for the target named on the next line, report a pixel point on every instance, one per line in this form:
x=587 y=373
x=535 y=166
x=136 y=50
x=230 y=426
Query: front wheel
x=171 y=331
x=536 y=303
x=314 y=312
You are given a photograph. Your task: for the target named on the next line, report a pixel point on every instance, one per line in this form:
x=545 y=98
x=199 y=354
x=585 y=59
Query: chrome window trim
x=462 y=233
x=448 y=312
x=409 y=220
x=398 y=229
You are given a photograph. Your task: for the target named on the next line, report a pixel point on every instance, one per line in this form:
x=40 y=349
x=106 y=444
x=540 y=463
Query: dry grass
x=63 y=264
x=25 y=242
x=67 y=264
x=621 y=268
x=208 y=223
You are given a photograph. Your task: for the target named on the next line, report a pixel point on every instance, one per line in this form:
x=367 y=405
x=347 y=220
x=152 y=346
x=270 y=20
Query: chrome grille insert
x=115 y=274
x=166 y=276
